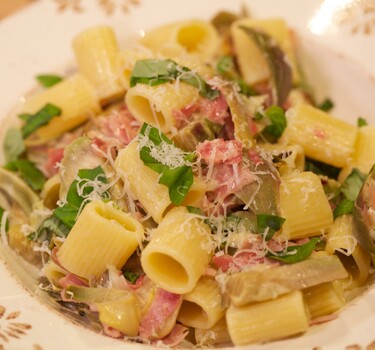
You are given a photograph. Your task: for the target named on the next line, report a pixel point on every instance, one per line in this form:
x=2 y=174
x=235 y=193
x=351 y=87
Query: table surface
x=7 y=7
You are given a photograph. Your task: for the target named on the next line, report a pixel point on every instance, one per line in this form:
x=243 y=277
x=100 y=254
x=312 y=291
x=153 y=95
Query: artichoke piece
x=241 y=117
x=262 y=196
x=189 y=136
x=23 y=246
x=364 y=215
x=267 y=282
x=78 y=155
x=15 y=192
x=281 y=72
x=90 y=295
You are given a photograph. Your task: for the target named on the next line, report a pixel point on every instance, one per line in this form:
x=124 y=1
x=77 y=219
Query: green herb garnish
x=361 y=122
x=49 y=228
x=13 y=144
x=48 y=80
x=326 y=105
x=348 y=193
x=42 y=117
x=294 y=254
x=177 y=175
x=268 y=225
x=155 y=72
x=29 y=172
x=226 y=67
x=275 y=120
x=131 y=276
x=79 y=194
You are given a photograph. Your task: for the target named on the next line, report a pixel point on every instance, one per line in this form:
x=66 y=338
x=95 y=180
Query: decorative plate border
x=108 y=6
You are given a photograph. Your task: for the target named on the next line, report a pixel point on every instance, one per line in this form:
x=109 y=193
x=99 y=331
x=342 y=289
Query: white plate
x=336 y=45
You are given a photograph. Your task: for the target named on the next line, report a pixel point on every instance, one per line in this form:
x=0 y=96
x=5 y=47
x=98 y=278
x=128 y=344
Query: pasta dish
x=189 y=190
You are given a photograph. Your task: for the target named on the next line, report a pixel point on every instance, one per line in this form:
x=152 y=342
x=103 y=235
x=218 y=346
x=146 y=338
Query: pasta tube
x=269 y=320
x=323 y=299
x=323 y=137
x=101 y=236
x=156 y=105
x=122 y=314
x=303 y=190
x=96 y=52
x=167 y=259
x=77 y=100
x=202 y=307
x=195 y=37
x=143 y=182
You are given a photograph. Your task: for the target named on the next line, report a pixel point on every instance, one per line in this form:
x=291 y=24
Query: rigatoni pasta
x=188 y=191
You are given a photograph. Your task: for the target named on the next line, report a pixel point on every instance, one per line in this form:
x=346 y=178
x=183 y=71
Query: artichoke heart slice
x=269 y=282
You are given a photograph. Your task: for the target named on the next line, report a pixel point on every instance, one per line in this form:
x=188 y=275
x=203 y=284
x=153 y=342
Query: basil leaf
x=13 y=144
x=42 y=117
x=78 y=195
x=48 y=80
x=352 y=184
x=1 y=219
x=49 y=228
x=29 y=172
x=154 y=72
x=131 y=276
x=321 y=168
x=268 y=225
x=226 y=67
x=178 y=179
x=277 y=123
x=361 y=122
x=194 y=210
x=326 y=105
x=281 y=73
x=346 y=206
x=25 y=116
x=297 y=253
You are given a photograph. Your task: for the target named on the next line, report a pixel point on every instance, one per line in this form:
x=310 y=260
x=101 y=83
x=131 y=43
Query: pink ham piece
x=164 y=306
x=119 y=126
x=220 y=151
x=175 y=337
x=71 y=279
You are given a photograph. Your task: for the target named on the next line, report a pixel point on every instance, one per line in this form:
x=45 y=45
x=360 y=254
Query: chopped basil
x=48 y=80
x=13 y=144
x=42 y=117
x=194 y=210
x=78 y=195
x=326 y=105
x=29 y=172
x=49 y=228
x=268 y=225
x=25 y=116
x=321 y=168
x=345 y=207
x=361 y=122
x=131 y=276
x=154 y=72
x=1 y=219
x=294 y=254
x=178 y=178
x=348 y=193
x=226 y=67
x=352 y=184
x=275 y=119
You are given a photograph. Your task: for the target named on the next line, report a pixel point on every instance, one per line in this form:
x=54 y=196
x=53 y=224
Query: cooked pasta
x=186 y=190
